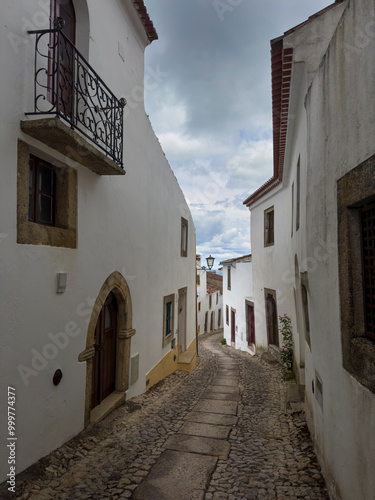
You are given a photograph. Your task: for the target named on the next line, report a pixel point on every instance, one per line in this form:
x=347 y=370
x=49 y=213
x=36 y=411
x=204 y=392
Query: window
x=168 y=322
x=46 y=200
x=368 y=268
x=269 y=227
x=217 y=298
x=356 y=245
x=41 y=191
x=199 y=306
x=219 y=319
x=292 y=208
x=227 y=315
x=210 y=301
x=229 y=279
x=198 y=280
x=184 y=237
x=298 y=194
x=305 y=305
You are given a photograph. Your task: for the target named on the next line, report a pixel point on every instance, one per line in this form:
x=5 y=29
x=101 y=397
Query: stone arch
x=116 y=284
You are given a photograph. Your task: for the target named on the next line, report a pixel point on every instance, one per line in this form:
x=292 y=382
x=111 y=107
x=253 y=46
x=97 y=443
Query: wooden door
x=271 y=316
x=233 y=326
x=205 y=321
x=104 y=362
x=250 y=326
x=63 y=55
x=212 y=321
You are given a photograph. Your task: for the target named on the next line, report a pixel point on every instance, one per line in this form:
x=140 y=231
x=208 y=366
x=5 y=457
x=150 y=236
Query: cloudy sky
x=208 y=94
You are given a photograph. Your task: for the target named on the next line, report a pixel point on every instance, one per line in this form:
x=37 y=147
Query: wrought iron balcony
x=67 y=86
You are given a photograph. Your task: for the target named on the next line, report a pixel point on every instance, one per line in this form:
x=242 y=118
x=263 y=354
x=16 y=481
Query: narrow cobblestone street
x=258 y=450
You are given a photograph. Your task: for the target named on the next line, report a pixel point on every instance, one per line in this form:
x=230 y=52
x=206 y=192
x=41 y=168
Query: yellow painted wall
x=165 y=367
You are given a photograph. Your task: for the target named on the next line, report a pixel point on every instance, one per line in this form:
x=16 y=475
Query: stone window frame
x=269 y=236
x=184 y=237
x=355 y=190
x=167 y=299
x=64 y=231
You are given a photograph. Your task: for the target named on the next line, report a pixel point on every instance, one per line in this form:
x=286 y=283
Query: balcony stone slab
x=54 y=133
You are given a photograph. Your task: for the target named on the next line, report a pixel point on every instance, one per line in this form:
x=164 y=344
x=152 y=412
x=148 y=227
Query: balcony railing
x=67 y=86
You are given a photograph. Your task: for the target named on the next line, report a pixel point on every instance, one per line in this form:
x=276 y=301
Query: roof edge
x=146 y=21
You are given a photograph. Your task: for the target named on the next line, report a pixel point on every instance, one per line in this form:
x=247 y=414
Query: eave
x=146 y=21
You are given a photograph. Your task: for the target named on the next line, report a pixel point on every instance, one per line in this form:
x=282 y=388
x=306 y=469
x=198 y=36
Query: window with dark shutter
x=368 y=267
x=269 y=227
x=41 y=192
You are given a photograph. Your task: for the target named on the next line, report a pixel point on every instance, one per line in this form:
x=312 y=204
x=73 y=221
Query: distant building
x=312 y=233
x=238 y=303
x=97 y=267
x=209 y=299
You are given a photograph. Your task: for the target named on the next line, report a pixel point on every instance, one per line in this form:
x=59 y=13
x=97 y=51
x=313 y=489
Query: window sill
x=31 y=233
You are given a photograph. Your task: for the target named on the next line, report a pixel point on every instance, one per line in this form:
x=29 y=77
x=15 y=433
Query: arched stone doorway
x=115 y=286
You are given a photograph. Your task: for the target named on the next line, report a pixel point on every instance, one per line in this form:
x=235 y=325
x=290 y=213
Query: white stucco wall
x=235 y=298
x=130 y=224
x=341 y=111
x=332 y=131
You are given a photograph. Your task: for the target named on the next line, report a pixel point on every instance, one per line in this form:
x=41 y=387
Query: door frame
x=250 y=323
x=233 y=325
x=116 y=284
x=271 y=323
x=182 y=300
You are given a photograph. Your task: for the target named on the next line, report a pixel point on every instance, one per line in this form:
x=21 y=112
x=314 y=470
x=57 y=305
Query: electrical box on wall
x=61 y=282
x=134 y=368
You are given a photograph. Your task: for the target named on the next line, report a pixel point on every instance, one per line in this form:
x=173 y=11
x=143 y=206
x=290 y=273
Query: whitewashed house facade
x=97 y=267
x=209 y=299
x=313 y=233
x=238 y=303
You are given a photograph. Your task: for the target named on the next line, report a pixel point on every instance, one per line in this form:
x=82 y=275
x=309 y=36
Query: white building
x=238 y=303
x=97 y=267
x=209 y=299
x=312 y=233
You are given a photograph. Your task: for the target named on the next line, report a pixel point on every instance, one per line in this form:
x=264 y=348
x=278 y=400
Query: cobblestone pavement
x=271 y=454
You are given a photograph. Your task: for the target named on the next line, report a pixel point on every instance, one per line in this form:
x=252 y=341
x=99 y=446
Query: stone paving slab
x=223 y=389
x=211 y=418
x=205 y=430
x=232 y=382
x=200 y=445
x=218 y=396
x=182 y=476
x=227 y=373
x=212 y=406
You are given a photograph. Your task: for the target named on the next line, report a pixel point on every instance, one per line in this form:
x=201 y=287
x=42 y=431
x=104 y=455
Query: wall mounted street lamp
x=210 y=262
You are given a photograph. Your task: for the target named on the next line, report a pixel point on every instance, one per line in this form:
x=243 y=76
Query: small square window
x=269 y=227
